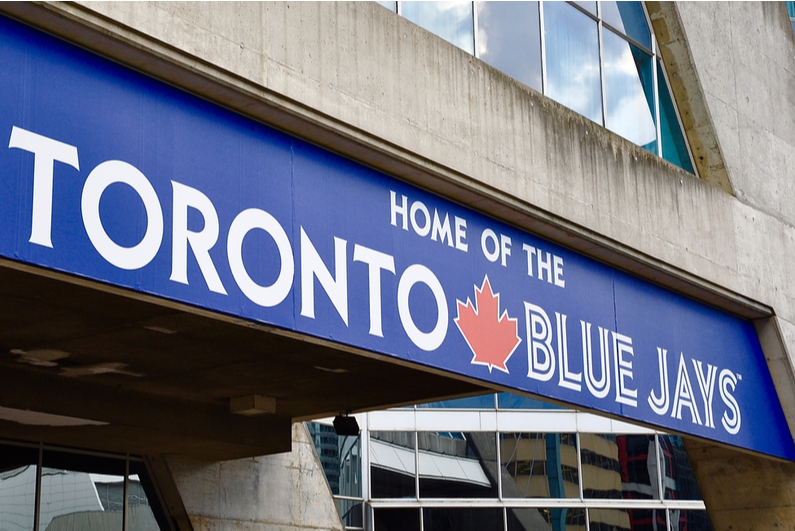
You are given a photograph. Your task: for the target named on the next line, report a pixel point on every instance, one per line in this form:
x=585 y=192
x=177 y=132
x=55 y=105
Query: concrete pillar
x=282 y=492
x=743 y=492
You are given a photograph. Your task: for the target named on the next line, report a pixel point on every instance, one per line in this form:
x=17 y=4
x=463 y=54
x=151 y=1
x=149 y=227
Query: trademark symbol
x=739 y=376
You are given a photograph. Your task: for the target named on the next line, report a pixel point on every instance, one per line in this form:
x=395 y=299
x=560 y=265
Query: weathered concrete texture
x=744 y=492
x=283 y=492
x=745 y=56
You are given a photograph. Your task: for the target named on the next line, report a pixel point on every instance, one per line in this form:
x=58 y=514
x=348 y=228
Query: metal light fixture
x=346 y=425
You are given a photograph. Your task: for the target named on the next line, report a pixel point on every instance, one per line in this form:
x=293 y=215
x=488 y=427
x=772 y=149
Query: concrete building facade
x=367 y=84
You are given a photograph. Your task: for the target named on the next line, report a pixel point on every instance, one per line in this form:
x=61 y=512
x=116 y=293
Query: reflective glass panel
x=629 y=19
x=396 y=519
x=452 y=21
x=674 y=149
x=443 y=519
x=340 y=457
x=17 y=487
x=351 y=512
x=392 y=6
x=392 y=464
x=588 y=6
x=472 y=402
x=678 y=480
x=457 y=465
x=619 y=466
x=143 y=514
x=81 y=492
x=511 y=401
x=687 y=520
x=791 y=8
x=551 y=519
x=539 y=465
x=626 y=519
x=509 y=39
x=572 y=46
x=629 y=91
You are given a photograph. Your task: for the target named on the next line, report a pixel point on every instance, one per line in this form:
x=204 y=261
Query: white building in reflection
x=505 y=462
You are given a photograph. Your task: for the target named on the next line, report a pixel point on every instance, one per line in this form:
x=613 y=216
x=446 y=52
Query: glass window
x=444 y=519
x=81 y=492
x=674 y=149
x=350 y=511
x=143 y=514
x=626 y=519
x=619 y=466
x=17 y=487
x=679 y=483
x=452 y=21
x=552 y=519
x=472 y=402
x=392 y=464
x=628 y=18
x=688 y=520
x=629 y=91
x=457 y=465
x=572 y=47
x=396 y=519
x=509 y=39
x=588 y=6
x=511 y=401
x=340 y=457
x=539 y=465
x=78 y=491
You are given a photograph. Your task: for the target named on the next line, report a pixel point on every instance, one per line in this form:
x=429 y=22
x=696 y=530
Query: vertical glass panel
x=674 y=149
x=457 y=465
x=81 y=492
x=452 y=21
x=17 y=487
x=396 y=519
x=392 y=6
x=443 y=519
x=588 y=6
x=619 y=466
x=629 y=91
x=511 y=401
x=679 y=483
x=572 y=46
x=629 y=19
x=626 y=519
x=539 y=465
x=392 y=464
x=509 y=39
x=791 y=8
x=472 y=402
x=351 y=512
x=551 y=519
x=340 y=457
x=687 y=520
x=144 y=515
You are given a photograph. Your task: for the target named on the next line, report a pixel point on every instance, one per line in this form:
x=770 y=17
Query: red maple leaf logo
x=492 y=337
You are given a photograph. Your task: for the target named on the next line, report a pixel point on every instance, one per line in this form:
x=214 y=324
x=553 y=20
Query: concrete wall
x=284 y=492
x=744 y=54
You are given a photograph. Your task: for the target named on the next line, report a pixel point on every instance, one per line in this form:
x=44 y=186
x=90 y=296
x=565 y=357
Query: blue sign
x=116 y=177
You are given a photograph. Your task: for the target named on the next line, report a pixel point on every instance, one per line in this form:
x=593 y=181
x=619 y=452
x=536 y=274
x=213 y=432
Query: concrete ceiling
x=146 y=377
